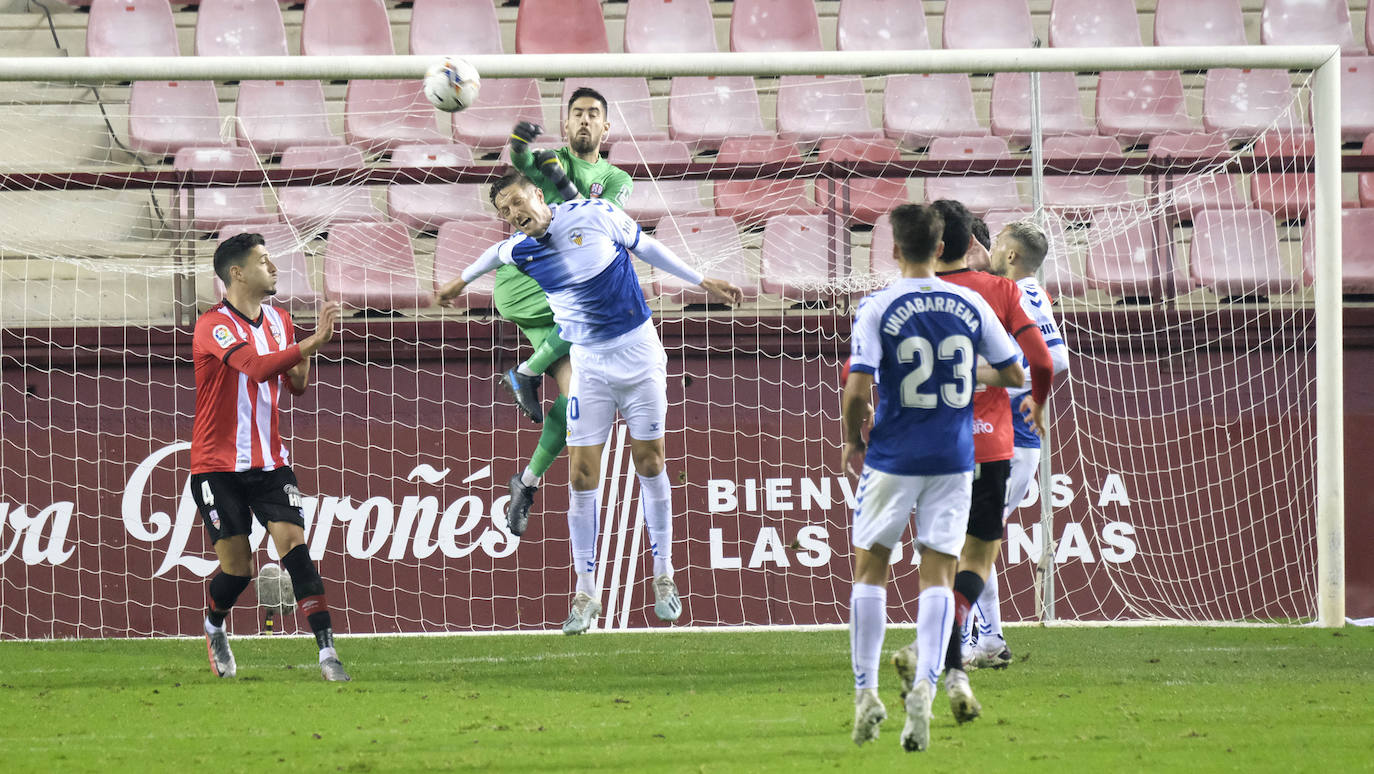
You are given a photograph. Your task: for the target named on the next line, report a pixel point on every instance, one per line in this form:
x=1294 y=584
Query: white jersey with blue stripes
x=1036 y=302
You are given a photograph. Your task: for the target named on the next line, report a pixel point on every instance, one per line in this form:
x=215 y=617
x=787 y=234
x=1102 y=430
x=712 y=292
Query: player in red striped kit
x=245 y=353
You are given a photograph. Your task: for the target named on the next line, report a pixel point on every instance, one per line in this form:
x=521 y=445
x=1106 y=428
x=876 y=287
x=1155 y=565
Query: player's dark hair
x=980 y=232
x=587 y=91
x=1031 y=243
x=916 y=231
x=233 y=251
x=958 y=228
x=514 y=177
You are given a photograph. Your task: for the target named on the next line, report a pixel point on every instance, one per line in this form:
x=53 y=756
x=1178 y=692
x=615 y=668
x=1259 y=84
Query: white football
x=452 y=84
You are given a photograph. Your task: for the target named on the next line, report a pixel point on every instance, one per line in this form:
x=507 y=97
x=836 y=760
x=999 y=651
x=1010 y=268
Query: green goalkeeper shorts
x=521 y=300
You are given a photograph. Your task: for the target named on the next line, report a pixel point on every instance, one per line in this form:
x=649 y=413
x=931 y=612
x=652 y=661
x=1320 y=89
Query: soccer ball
x=452 y=85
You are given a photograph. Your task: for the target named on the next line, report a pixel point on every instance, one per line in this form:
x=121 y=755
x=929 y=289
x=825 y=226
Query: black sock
x=224 y=591
x=968 y=586
x=308 y=587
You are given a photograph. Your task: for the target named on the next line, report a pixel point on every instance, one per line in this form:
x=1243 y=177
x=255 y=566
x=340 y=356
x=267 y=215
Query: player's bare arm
x=722 y=290
x=855 y=412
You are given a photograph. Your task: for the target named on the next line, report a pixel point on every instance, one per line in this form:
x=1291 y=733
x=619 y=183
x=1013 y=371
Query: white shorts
x=628 y=374
x=886 y=501
x=1024 y=463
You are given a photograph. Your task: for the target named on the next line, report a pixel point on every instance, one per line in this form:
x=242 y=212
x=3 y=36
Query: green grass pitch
x=1076 y=699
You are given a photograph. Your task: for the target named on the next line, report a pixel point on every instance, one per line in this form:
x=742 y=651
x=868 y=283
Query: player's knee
x=648 y=460
x=582 y=477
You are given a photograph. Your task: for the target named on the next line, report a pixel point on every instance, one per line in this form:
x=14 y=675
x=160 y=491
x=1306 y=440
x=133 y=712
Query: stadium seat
x=313 y=208
x=1060 y=111
x=276 y=115
x=240 y=28
x=1135 y=106
x=801 y=256
x=1124 y=259
x=774 y=25
x=221 y=205
x=427 y=206
x=372 y=266
x=503 y=103
x=131 y=28
x=560 y=27
x=1061 y=280
x=1242 y=104
x=750 y=201
x=454 y=26
x=918 y=108
x=669 y=27
x=654 y=198
x=166 y=116
x=1184 y=195
x=294 y=286
x=459 y=245
x=858 y=198
x=379 y=115
x=814 y=107
x=1235 y=253
x=1369 y=30
x=881 y=262
x=1074 y=197
x=630 y=109
x=978 y=193
x=708 y=242
x=1288 y=196
x=1199 y=23
x=345 y=28
x=1305 y=22
x=1366 y=179
x=1357 y=98
x=1093 y=23
x=987 y=24
x=1357 y=252
x=880 y=25
x=704 y=111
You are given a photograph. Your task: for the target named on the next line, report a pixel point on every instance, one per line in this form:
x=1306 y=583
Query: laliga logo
x=981 y=427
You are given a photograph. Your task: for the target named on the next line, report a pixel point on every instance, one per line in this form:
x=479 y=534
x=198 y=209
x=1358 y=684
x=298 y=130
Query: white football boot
x=583 y=614
x=869 y=713
x=916 y=732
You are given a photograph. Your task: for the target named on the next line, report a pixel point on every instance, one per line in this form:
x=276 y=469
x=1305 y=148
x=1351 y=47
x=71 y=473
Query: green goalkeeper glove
x=522 y=135
x=547 y=163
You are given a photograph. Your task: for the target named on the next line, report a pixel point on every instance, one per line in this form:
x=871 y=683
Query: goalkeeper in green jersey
x=520 y=299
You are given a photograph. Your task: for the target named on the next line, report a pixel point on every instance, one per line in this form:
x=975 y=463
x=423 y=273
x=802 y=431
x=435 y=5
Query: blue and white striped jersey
x=1036 y=302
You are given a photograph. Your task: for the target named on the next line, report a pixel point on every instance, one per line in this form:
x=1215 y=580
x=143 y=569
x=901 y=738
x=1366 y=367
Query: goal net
x=1180 y=218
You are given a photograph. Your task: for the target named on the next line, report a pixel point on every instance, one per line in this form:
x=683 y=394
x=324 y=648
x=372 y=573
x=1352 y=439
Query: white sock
x=582 y=508
x=656 y=501
x=934 y=624
x=867 y=622
x=529 y=479
x=328 y=653
x=524 y=369
x=211 y=628
x=989 y=610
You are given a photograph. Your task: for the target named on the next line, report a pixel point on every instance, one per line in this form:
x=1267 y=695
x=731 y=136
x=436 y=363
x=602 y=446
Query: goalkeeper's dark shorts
x=229 y=501
x=989 y=499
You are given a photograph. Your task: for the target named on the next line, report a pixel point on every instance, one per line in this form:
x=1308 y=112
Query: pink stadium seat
x=372 y=266
x=705 y=241
x=294 y=289
x=1060 y=277
x=750 y=201
x=669 y=26
x=1236 y=253
x=131 y=28
x=460 y=243
x=1369 y=30
x=1186 y=194
x=978 y=193
x=345 y=28
x=224 y=205
x=454 y=27
x=1199 y=23
x=918 y=108
x=1357 y=97
x=240 y=28
x=1093 y=23
x=1357 y=252
x=379 y=115
x=881 y=262
x=503 y=103
x=1135 y=106
x=1366 y=179
x=313 y=208
x=1303 y=22
x=987 y=24
x=1074 y=197
x=560 y=27
x=427 y=206
x=801 y=256
x=814 y=107
x=703 y=111
x=166 y=116
x=1123 y=257
x=879 y=25
x=631 y=111
x=861 y=199
x=1246 y=103
x=1060 y=111
x=774 y=25
x=652 y=198
x=276 y=115
x=1288 y=196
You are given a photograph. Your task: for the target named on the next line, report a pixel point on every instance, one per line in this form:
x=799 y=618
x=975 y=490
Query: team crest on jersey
x=275 y=326
x=576 y=237
x=597 y=189
x=223 y=336
x=214 y=517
